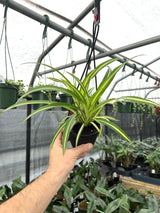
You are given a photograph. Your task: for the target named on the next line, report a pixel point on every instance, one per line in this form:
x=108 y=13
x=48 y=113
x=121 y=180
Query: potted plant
x=153 y=158
x=6 y=192
x=128 y=154
x=65 y=99
x=123 y=107
x=43 y=95
x=8 y=94
x=86 y=120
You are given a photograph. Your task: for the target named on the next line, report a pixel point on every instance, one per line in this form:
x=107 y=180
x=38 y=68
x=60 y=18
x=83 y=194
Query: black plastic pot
x=142 y=174
x=154 y=175
x=126 y=171
x=88 y=135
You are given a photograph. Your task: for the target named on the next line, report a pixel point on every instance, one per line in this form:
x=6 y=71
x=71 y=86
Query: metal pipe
x=19 y=8
x=151 y=91
x=58 y=39
x=118 y=81
x=110 y=53
x=151 y=62
x=133 y=89
x=136 y=70
x=37 y=17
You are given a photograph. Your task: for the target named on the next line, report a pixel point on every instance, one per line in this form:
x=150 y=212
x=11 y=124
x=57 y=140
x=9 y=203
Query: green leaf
x=100 y=202
x=108 y=73
x=51 y=106
x=68 y=196
x=121 y=203
x=59 y=209
x=70 y=122
x=113 y=127
x=94 y=72
x=146 y=211
x=25 y=103
x=99 y=106
x=91 y=206
x=103 y=86
x=81 y=84
x=153 y=204
x=51 y=88
x=93 y=169
x=79 y=133
x=139 y=100
x=101 y=182
x=2 y=192
x=17 y=185
x=112 y=206
x=105 y=192
x=84 y=187
x=90 y=196
x=57 y=133
x=76 y=188
x=124 y=205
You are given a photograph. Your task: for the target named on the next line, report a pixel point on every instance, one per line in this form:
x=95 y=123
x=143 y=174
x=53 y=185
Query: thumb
x=82 y=150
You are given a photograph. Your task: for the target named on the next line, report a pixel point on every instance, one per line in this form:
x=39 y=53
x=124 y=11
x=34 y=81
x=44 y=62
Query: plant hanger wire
x=45 y=42
x=95 y=29
x=6 y=46
x=70 y=52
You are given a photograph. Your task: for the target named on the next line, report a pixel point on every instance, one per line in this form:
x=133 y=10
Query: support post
x=28 y=144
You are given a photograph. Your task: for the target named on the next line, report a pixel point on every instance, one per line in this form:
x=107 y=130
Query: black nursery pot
x=88 y=135
x=154 y=175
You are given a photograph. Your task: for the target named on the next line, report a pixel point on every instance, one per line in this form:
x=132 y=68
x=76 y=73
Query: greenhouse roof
x=127 y=29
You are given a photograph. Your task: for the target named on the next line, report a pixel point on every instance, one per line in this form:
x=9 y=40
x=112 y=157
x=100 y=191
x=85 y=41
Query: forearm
x=36 y=196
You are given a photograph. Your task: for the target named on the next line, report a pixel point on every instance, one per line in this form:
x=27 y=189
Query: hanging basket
x=126 y=107
x=66 y=99
x=129 y=107
x=8 y=95
x=39 y=96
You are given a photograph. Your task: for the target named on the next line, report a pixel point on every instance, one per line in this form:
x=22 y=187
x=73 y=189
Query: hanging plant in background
x=9 y=89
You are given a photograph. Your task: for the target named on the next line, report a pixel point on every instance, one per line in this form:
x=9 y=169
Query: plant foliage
x=86 y=107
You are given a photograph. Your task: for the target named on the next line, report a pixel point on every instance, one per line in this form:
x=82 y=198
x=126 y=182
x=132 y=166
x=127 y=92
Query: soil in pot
x=83 y=207
x=88 y=135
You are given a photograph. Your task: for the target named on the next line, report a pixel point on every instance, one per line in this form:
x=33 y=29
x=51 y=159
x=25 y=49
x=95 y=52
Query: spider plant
x=87 y=107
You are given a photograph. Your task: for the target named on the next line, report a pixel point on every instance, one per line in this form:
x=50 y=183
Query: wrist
x=58 y=176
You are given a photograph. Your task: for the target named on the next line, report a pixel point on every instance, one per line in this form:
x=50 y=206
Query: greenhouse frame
x=112 y=82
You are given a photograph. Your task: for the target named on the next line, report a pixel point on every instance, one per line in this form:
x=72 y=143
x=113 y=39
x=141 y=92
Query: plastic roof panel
x=122 y=23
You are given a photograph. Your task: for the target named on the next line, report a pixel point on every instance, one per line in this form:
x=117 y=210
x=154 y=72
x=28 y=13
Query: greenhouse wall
x=136 y=125
x=13 y=143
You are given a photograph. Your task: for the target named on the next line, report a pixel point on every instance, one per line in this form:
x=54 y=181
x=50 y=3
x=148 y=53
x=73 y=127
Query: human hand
x=62 y=164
